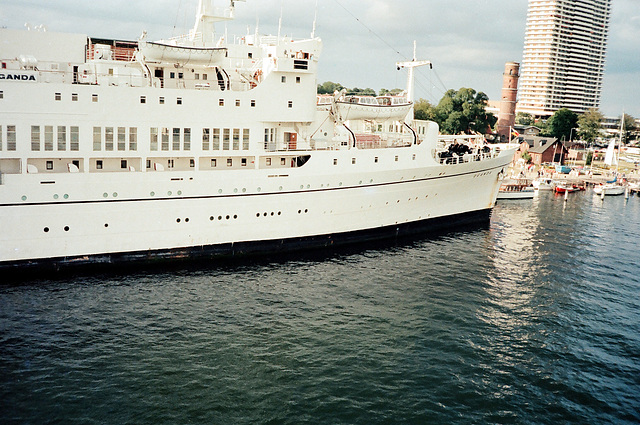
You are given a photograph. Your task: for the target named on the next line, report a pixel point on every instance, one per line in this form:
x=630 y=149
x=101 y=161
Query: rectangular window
x=204 y=77
x=123 y=164
x=170 y=163
x=165 y=139
x=225 y=139
x=94 y=97
x=206 y=137
x=161 y=100
x=143 y=99
x=176 y=139
x=237 y=102
x=186 y=143
x=74 y=138
x=49 y=165
x=283 y=79
x=215 y=142
x=192 y=163
x=35 y=137
x=283 y=161
x=268 y=161
x=108 y=138
x=133 y=139
x=58 y=96
x=179 y=101
x=353 y=160
x=172 y=75
x=229 y=162
x=236 y=139
x=148 y=164
x=253 y=103
x=243 y=162
x=180 y=75
x=122 y=138
x=153 y=139
x=0 y=137
x=74 y=97
x=290 y=104
x=221 y=102
x=98 y=164
x=97 y=138
x=214 y=163
x=335 y=161
x=48 y=137
x=1 y=94
x=298 y=80
x=245 y=139
x=62 y=138
x=11 y=137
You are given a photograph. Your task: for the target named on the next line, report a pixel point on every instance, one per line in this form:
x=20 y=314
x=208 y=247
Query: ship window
x=165 y=139
x=170 y=163
x=172 y=75
x=413 y=157
x=192 y=162
x=98 y=164
x=48 y=137
x=204 y=77
x=62 y=138
x=161 y=100
x=290 y=104
x=97 y=138
x=1 y=94
x=11 y=137
x=221 y=102
x=4 y=65
x=205 y=139
x=58 y=96
x=215 y=142
x=335 y=161
x=298 y=79
x=49 y=165
x=74 y=141
x=133 y=138
x=108 y=138
x=229 y=162
x=176 y=139
x=143 y=99
x=148 y=163
x=180 y=75
x=283 y=161
x=35 y=137
x=153 y=139
x=94 y=97
x=269 y=162
x=237 y=102
x=353 y=160
x=243 y=162
x=245 y=140
x=225 y=139
x=123 y=164
x=122 y=138
x=396 y=158
x=179 y=101
x=236 y=139
x=74 y=97
x=250 y=55
x=253 y=101
x=111 y=71
x=283 y=78
x=186 y=143
x=0 y=137
x=214 y=163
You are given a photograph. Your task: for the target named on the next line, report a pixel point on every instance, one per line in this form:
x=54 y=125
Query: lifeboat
x=373 y=108
x=162 y=52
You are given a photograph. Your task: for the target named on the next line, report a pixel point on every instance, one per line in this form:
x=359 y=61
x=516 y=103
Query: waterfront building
x=564 y=56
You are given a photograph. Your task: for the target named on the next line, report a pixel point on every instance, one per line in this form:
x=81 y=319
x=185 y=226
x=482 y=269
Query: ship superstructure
x=199 y=146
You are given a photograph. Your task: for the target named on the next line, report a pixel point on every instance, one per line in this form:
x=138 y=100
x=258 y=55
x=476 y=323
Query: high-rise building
x=564 y=55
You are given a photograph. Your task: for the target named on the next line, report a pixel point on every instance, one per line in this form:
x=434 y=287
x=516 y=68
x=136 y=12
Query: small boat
x=519 y=189
x=369 y=107
x=609 y=189
x=568 y=188
x=543 y=183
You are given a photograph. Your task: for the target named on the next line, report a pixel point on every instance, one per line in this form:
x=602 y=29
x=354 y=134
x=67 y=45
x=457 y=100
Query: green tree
x=589 y=125
x=561 y=123
x=361 y=92
x=424 y=110
x=524 y=118
x=464 y=110
x=393 y=92
x=329 y=87
x=630 y=128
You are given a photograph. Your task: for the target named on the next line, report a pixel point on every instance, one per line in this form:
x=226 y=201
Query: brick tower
x=507 y=115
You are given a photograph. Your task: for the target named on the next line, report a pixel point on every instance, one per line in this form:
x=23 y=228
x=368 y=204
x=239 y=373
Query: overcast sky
x=468 y=41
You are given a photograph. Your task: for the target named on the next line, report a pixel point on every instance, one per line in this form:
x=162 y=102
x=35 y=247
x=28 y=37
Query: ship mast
x=411 y=65
x=206 y=17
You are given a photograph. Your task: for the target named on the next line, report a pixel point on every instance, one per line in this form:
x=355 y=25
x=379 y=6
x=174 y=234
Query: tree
x=424 y=110
x=629 y=128
x=524 y=118
x=362 y=92
x=561 y=123
x=462 y=111
x=329 y=87
x=589 y=125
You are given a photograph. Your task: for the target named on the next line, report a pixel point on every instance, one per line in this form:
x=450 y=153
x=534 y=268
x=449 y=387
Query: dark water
x=535 y=320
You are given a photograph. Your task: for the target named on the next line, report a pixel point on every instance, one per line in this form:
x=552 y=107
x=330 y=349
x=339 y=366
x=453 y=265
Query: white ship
x=198 y=147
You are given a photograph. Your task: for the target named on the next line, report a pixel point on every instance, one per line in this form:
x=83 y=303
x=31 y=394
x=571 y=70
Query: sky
x=468 y=41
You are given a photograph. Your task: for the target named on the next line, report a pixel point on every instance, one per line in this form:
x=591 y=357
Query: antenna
x=411 y=65
x=315 y=19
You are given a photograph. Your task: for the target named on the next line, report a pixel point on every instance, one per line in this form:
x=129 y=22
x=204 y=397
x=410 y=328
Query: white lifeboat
x=373 y=108
x=174 y=53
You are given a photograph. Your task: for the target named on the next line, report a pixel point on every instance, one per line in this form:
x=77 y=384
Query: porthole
x=219 y=217
x=235 y=217
x=55 y=196
x=169 y=193
x=308 y=186
x=306 y=211
x=186 y=220
x=66 y=196
x=259 y=189
x=24 y=198
x=272 y=213
x=235 y=190
x=279 y=212
x=152 y=194
x=244 y=189
x=179 y=192
x=106 y=225
x=301 y=186
x=257 y=214
x=280 y=187
x=177 y=220
x=264 y=214
x=105 y=195
x=219 y=190
x=227 y=217
x=299 y=211
x=46 y=230
x=66 y=228
x=115 y=194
